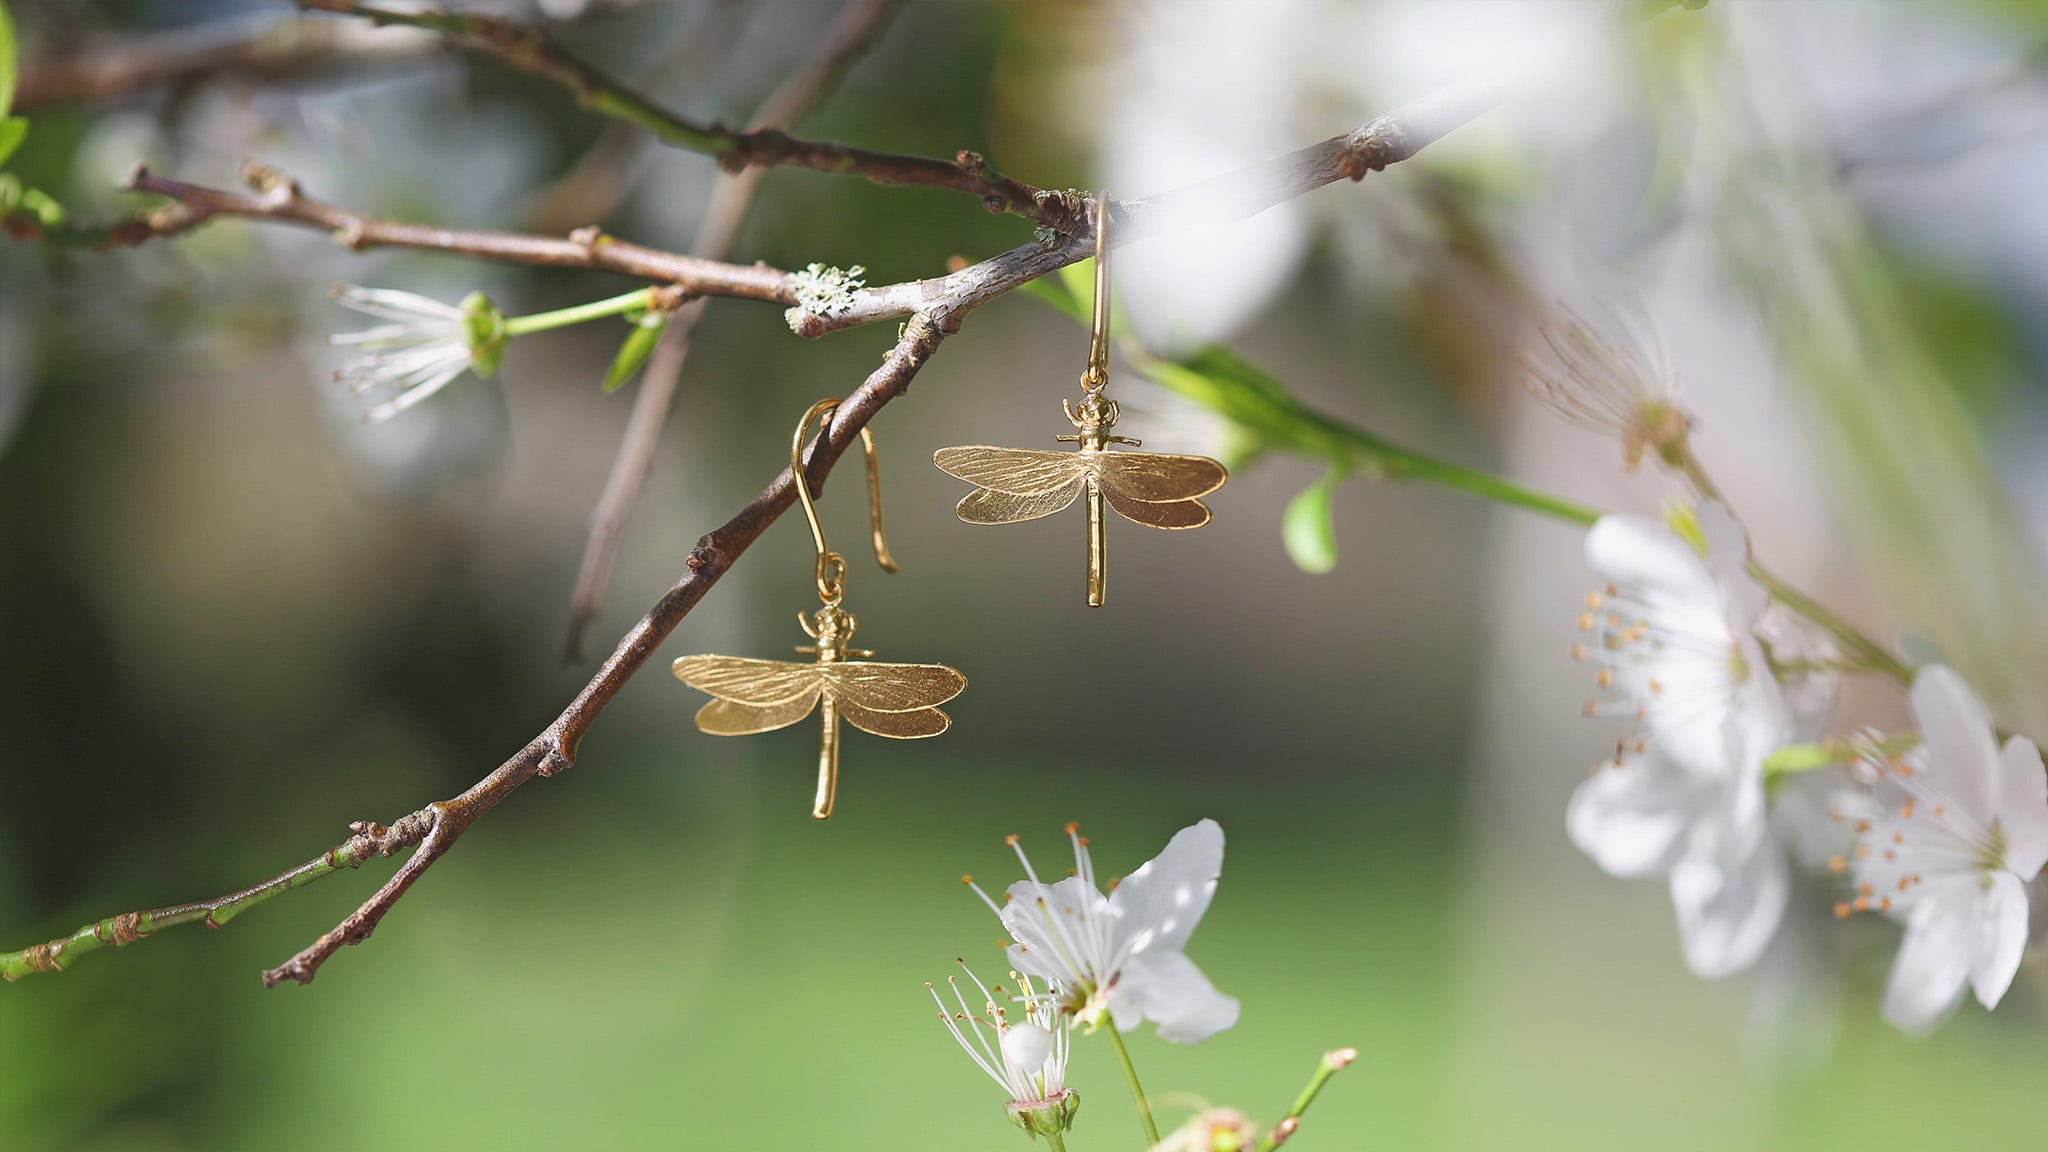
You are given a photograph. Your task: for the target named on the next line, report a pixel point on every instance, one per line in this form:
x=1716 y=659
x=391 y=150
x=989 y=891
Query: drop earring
x=895 y=700
x=1151 y=488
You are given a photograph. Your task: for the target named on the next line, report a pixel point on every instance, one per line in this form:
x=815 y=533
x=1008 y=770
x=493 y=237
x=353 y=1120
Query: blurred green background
x=234 y=620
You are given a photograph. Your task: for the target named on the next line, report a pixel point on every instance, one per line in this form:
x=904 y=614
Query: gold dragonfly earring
x=895 y=700
x=1152 y=488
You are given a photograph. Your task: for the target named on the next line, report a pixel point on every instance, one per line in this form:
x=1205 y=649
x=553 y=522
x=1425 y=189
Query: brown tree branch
x=858 y=25
x=1247 y=191
x=292 y=50
x=436 y=828
x=934 y=307
x=278 y=198
x=531 y=50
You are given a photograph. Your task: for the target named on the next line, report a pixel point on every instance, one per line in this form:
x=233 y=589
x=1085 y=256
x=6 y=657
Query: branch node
x=276 y=188
x=128 y=928
x=1382 y=142
x=590 y=236
x=137 y=173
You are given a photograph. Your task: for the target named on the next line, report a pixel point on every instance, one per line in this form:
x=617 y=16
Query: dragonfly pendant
x=1151 y=488
x=895 y=700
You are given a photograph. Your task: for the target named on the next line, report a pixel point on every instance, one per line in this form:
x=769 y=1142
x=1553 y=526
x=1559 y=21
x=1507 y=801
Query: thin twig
x=858 y=25
x=291 y=50
x=602 y=177
x=1387 y=140
x=278 y=198
x=531 y=50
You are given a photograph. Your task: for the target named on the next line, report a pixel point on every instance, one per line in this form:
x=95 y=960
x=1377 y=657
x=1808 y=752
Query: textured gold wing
x=728 y=718
x=879 y=687
x=912 y=725
x=1017 y=471
x=986 y=506
x=1171 y=515
x=1157 y=477
x=744 y=680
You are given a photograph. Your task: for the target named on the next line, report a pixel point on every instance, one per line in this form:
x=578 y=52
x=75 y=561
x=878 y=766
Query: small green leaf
x=7 y=67
x=13 y=130
x=1308 y=529
x=639 y=345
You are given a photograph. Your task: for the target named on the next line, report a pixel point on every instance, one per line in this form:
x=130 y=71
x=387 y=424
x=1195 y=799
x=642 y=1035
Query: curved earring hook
x=832 y=566
x=1097 y=376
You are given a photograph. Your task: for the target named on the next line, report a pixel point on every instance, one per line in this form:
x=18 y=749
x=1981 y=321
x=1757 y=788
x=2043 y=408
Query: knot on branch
x=1371 y=149
x=122 y=930
x=45 y=957
x=273 y=185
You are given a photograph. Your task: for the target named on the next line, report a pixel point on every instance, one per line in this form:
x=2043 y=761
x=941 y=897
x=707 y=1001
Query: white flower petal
x=1046 y=921
x=1730 y=893
x=2023 y=807
x=2001 y=938
x=1757 y=725
x=1728 y=559
x=1642 y=552
x=1933 y=966
x=1171 y=990
x=1961 y=755
x=1161 y=902
x=393 y=304
x=1632 y=817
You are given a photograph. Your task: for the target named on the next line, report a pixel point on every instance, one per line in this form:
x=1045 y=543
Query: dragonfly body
x=894 y=700
x=1152 y=488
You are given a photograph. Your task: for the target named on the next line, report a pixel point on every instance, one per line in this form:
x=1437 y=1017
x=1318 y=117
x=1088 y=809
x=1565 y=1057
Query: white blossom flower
x=1963 y=826
x=1622 y=387
x=425 y=345
x=1028 y=1059
x=1122 y=955
x=1683 y=796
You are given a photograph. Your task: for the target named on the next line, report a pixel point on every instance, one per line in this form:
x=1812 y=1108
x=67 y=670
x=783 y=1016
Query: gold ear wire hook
x=832 y=566
x=1097 y=376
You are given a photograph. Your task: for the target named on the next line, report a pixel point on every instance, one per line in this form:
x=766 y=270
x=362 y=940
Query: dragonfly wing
x=1157 y=477
x=912 y=725
x=743 y=680
x=878 y=687
x=987 y=506
x=1172 y=514
x=729 y=718
x=1017 y=471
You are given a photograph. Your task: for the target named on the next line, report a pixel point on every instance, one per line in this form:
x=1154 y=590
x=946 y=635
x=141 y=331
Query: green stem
x=120 y=931
x=1871 y=653
x=1331 y=1064
x=1402 y=464
x=637 y=300
x=1058 y=1142
x=1123 y=1057
x=1867 y=650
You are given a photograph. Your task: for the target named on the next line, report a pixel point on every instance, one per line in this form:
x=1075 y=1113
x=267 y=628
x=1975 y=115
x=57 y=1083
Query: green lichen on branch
x=822 y=290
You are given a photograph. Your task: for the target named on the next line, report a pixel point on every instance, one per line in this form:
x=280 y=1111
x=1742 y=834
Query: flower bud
x=1052 y=1116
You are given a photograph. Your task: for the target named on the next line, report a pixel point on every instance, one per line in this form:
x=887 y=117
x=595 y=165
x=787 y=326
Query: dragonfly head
x=832 y=626
x=1094 y=416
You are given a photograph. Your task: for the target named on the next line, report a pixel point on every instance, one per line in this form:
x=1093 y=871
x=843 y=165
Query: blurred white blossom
x=423 y=345
x=1961 y=826
x=1683 y=796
